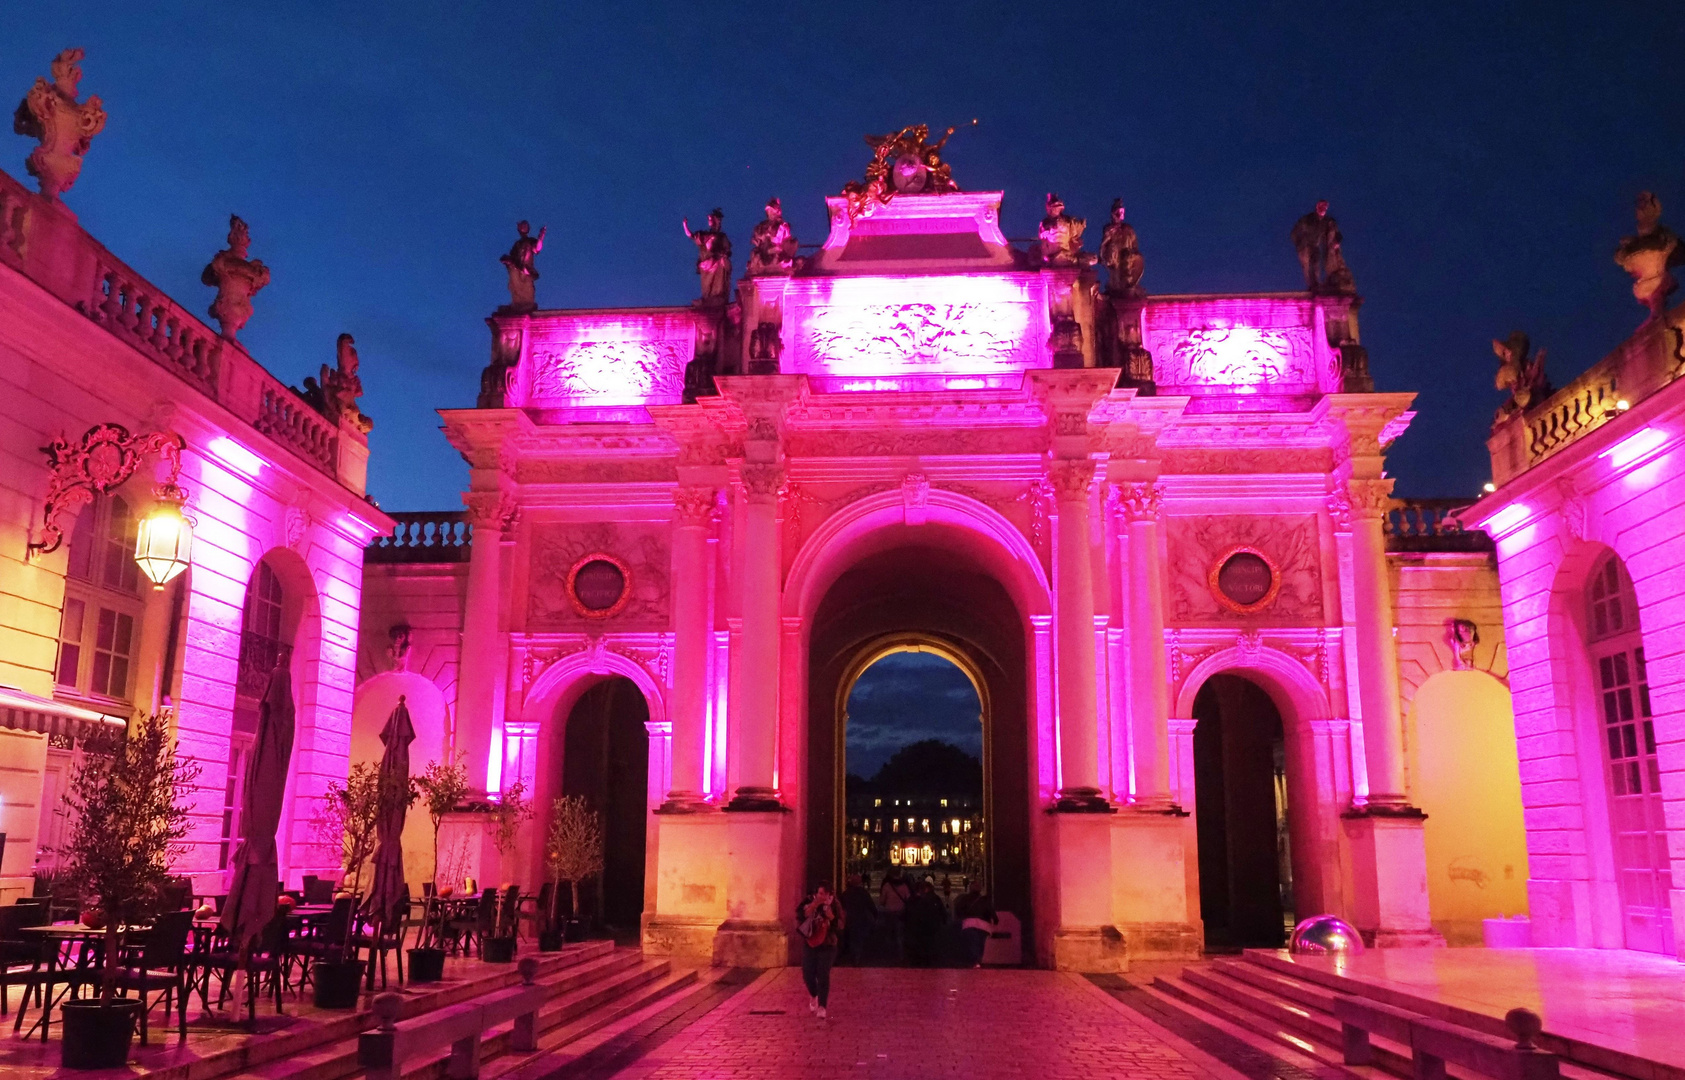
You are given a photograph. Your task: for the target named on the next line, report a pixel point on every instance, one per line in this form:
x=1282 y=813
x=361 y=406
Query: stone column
x=1377 y=657
x=483 y=648
x=1079 y=788
x=754 y=731
x=693 y=510
x=1149 y=689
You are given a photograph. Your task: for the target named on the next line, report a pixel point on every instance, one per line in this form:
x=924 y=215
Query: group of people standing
x=912 y=914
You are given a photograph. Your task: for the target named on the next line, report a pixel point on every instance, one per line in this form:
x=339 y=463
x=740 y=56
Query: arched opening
x=605 y=759
x=1615 y=647
x=429 y=713
x=915 y=743
x=1465 y=775
x=969 y=635
x=1241 y=815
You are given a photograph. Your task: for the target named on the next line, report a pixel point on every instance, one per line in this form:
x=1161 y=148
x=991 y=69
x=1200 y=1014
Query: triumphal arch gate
x=1102 y=503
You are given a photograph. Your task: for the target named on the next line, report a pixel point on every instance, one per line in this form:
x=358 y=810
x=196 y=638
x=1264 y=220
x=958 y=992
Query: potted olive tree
x=349 y=815
x=573 y=850
x=508 y=814
x=443 y=786
x=128 y=817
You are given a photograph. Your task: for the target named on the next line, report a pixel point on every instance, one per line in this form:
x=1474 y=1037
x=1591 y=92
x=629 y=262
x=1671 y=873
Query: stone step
x=566 y=1042
x=1303 y=993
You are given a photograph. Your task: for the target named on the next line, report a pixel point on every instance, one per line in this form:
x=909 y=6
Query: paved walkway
x=928 y=1024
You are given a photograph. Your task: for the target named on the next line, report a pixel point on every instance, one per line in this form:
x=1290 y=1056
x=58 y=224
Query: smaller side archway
x=429 y=711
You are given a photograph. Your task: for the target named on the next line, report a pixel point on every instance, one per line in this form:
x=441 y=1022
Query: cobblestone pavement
x=921 y=1024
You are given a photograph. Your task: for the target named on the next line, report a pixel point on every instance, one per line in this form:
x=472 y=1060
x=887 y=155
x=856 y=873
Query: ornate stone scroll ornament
x=1120 y=254
x=1462 y=635
x=1648 y=256
x=105 y=457
x=1061 y=236
x=713 y=258
x=1317 y=239
x=772 y=245
x=903 y=163
x=398 y=652
x=335 y=395
x=1522 y=375
x=64 y=126
x=236 y=279
x=521 y=263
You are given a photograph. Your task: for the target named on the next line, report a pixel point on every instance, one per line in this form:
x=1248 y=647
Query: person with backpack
x=819 y=921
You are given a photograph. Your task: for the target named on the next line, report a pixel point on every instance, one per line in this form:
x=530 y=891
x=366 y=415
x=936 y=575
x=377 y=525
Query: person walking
x=977 y=918
x=860 y=915
x=893 y=897
x=925 y=916
x=819 y=921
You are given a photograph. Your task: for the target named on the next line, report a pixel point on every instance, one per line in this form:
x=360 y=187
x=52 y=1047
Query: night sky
x=1482 y=161
x=906 y=697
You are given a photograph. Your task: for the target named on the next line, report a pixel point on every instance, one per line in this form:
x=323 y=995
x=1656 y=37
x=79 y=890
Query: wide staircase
x=1263 y=998
x=591 y=989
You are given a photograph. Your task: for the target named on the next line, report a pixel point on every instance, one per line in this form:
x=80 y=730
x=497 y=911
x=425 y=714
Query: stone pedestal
x=1390 y=879
x=1151 y=907
x=691 y=885
x=1084 y=938
x=753 y=934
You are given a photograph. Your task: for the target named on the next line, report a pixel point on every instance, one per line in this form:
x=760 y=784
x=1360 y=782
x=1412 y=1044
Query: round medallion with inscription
x=598 y=586
x=1244 y=580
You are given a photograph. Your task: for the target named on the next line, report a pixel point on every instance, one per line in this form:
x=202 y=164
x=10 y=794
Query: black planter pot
x=550 y=941
x=574 y=930
x=338 y=986
x=96 y=1036
x=499 y=950
x=427 y=965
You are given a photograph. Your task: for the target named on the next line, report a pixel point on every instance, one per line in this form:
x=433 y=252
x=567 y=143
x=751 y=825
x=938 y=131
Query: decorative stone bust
x=65 y=128
x=236 y=279
x=1120 y=254
x=772 y=246
x=1648 y=256
x=1061 y=236
x=713 y=258
x=521 y=262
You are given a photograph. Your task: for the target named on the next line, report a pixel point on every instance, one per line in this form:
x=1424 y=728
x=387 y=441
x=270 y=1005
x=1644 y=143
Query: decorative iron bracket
x=105 y=457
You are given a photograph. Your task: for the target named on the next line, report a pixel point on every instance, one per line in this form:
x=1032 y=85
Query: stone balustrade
x=427 y=536
x=1642 y=364
x=41 y=239
x=1430 y=525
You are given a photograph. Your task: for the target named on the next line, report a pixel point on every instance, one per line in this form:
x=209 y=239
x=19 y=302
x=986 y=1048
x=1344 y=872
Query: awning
x=26 y=712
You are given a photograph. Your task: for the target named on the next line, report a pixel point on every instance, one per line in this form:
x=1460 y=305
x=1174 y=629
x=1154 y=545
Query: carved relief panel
x=1205 y=547
x=641 y=553
x=1262 y=345
x=608 y=360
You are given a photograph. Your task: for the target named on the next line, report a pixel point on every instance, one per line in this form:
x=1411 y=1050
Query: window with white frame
x=99 y=624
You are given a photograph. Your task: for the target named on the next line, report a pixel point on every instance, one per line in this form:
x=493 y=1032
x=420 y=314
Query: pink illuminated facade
x=276 y=493
x=1589 y=547
x=1174 y=604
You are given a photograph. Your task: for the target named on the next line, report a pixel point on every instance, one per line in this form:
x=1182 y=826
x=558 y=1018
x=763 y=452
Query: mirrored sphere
x=1323 y=935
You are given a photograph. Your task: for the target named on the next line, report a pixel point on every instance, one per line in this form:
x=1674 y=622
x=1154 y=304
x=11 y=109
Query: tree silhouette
x=930 y=767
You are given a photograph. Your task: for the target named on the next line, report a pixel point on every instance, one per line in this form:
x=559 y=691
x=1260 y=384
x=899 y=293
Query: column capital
x=694 y=505
x=761 y=482
x=499 y=510
x=1137 y=501
x=1071 y=478
x=1368 y=500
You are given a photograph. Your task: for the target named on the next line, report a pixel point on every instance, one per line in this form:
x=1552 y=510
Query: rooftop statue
x=772 y=246
x=713 y=257
x=521 y=262
x=335 y=396
x=1120 y=254
x=1061 y=236
x=1317 y=239
x=903 y=163
x=236 y=279
x=1521 y=375
x=1648 y=255
x=65 y=127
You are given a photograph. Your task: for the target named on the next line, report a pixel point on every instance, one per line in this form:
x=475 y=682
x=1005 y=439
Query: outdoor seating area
x=184 y=957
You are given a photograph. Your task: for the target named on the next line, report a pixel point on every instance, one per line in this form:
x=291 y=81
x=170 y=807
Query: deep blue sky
x=906 y=697
x=1481 y=159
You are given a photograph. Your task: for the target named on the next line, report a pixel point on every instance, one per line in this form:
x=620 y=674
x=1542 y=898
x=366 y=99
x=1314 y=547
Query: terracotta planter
x=550 y=941
x=96 y=1035
x=426 y=965
x=338 y=986
x=499 y=950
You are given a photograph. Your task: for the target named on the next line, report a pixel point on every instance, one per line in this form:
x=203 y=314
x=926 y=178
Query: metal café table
x=61 y=937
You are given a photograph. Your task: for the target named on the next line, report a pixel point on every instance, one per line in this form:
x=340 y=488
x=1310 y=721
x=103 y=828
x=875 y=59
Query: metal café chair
x=161 y=967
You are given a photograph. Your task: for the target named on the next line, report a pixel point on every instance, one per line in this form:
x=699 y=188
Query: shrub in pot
x=129 y=815
x=573 y=850
x=511 y=810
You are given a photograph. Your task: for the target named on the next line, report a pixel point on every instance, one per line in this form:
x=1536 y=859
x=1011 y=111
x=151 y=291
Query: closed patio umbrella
x=388 y=887
x=252 y=892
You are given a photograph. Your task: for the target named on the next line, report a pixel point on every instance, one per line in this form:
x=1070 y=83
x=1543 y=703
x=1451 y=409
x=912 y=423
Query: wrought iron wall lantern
x=103 y=459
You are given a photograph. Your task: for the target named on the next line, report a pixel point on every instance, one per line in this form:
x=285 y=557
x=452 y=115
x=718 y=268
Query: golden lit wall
x=1461 y=732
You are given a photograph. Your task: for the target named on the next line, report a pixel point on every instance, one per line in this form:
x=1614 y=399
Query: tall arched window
x=99 y=625
x=1629 y=748
x=262 y=648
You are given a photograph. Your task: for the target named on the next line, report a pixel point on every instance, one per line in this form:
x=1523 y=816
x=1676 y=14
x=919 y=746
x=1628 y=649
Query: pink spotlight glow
x=1634 y=446
x=1507 y=518
x=235 y=456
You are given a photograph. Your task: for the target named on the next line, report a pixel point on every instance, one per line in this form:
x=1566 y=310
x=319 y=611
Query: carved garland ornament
x=1244 y=580
x=105 y=457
